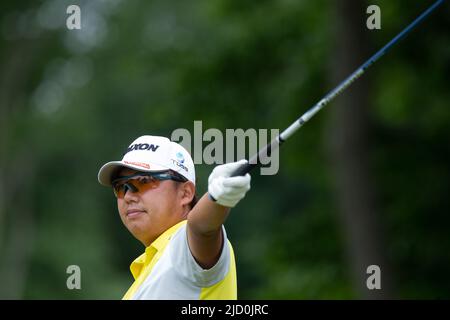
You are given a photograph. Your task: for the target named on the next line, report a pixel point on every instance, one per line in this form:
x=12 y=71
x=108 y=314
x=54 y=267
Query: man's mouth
x=131 y=213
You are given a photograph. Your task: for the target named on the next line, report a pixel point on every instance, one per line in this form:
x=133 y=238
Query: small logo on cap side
x=179 y=161
x=138 y=164
x=180 y=157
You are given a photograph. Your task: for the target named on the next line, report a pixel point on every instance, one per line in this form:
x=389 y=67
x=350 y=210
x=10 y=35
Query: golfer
x=187 y=253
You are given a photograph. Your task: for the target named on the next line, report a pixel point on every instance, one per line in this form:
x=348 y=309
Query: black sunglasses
x=143 y=181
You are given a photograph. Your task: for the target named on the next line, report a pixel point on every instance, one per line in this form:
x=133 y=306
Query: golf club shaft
x=265 y=152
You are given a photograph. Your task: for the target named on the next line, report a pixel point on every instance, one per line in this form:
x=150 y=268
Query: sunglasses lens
x=136 y=184
x=145 y=183
x=119 y=190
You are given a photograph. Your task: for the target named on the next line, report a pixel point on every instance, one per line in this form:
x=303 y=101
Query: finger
x=236 y=182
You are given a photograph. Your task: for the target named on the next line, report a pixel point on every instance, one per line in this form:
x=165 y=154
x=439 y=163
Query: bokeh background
x=365 y=182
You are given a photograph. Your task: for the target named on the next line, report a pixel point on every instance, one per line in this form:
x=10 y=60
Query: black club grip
x=256 y=159
x=243 y=169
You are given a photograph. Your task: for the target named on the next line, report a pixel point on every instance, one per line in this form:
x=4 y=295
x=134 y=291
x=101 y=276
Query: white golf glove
x=225 y=190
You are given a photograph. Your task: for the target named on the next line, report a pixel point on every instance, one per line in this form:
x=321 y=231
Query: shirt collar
x=158 y=245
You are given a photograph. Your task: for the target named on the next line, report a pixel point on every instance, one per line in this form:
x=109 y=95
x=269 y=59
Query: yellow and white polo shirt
x=167 y=270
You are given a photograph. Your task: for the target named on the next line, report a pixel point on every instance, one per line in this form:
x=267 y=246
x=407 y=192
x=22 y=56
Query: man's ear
x=187 y=192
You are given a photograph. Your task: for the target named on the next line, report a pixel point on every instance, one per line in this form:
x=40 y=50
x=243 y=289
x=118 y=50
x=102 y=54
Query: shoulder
x=184 y=262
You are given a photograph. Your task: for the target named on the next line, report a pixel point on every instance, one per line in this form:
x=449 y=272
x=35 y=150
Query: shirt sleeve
x=185 y=264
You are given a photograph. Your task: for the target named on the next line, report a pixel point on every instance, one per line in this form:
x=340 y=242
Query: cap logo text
x=142 y=146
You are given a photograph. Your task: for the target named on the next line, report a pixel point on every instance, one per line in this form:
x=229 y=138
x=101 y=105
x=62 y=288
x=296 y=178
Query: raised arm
x=204 y=226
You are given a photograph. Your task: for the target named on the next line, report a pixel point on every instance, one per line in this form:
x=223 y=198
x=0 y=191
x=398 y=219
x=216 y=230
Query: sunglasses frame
x=160 y=176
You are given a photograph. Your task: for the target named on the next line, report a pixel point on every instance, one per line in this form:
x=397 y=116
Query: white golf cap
x=149 y=154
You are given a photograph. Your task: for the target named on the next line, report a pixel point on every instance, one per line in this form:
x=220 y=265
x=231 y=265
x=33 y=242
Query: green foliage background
x=74 y=100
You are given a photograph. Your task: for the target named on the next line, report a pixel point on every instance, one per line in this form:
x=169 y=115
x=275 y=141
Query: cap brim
x=108 y=170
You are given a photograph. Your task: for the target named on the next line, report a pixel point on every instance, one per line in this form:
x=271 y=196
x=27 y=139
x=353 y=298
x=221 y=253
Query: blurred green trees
x=73 y=100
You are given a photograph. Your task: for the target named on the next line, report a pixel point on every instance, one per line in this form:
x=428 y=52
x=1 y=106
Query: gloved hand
x=225 y=190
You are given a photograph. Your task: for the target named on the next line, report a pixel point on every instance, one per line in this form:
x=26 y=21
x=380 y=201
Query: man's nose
x=130 y=193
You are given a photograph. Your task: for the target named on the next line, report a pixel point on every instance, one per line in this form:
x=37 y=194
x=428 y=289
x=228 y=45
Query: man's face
x=148 y=214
